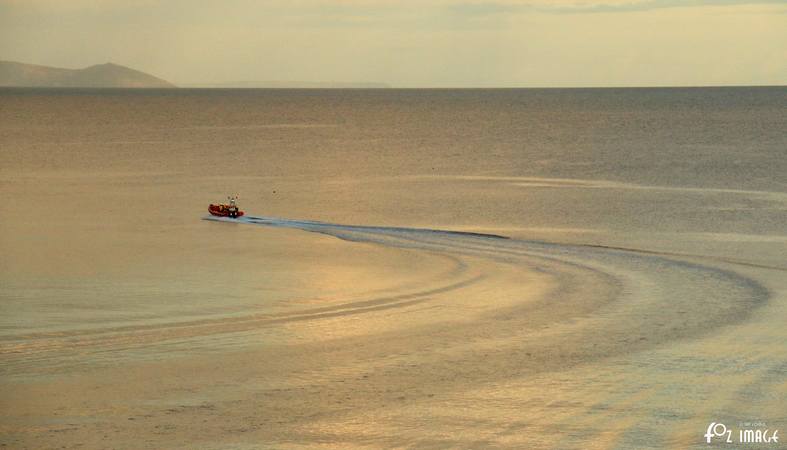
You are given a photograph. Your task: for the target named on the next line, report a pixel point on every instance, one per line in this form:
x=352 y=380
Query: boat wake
x=548 y=304
x=598 y=301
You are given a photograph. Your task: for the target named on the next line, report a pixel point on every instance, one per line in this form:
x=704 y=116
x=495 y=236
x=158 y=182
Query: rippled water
x=515 y=268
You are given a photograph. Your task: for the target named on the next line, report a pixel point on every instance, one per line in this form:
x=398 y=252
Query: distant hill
x=292 y=85
x=99 y=76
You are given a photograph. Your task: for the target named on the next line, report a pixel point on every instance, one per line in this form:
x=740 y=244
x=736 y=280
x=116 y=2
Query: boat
x=226 y=209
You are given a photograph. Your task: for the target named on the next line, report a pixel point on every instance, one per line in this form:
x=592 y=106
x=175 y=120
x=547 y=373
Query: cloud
x=578 y=7
x=647 y=5
x=411 y=42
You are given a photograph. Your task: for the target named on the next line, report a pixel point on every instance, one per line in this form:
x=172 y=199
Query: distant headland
x=273 y=84
x=15 y=74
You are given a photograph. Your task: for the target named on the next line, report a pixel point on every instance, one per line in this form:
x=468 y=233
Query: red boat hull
x=222 y=210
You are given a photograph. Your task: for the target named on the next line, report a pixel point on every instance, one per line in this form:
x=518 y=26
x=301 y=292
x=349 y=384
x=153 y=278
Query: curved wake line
x=650 y=298
x=331 y=228
x=547 y=182
x=583 y=254
x=323 y=227
x=238 y=323
x=685 y=255
x=597 y=301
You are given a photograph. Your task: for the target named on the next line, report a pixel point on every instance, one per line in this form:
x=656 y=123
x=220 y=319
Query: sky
x=411 y=43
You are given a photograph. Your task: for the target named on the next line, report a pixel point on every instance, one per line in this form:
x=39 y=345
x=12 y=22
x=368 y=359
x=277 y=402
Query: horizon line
x=388 y=88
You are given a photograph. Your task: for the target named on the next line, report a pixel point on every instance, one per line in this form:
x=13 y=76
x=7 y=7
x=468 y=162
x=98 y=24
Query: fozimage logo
x=747 y=433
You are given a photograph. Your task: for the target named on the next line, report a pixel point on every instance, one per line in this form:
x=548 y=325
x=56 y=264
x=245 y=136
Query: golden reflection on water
x=129 y=322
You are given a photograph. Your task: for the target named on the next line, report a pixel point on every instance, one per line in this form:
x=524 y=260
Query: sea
x=416 y=268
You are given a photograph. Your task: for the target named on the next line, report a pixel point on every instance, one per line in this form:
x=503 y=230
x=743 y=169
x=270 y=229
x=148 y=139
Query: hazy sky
x=411 y=42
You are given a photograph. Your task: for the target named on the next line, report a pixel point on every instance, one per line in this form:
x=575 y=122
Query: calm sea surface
x=650 y=223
